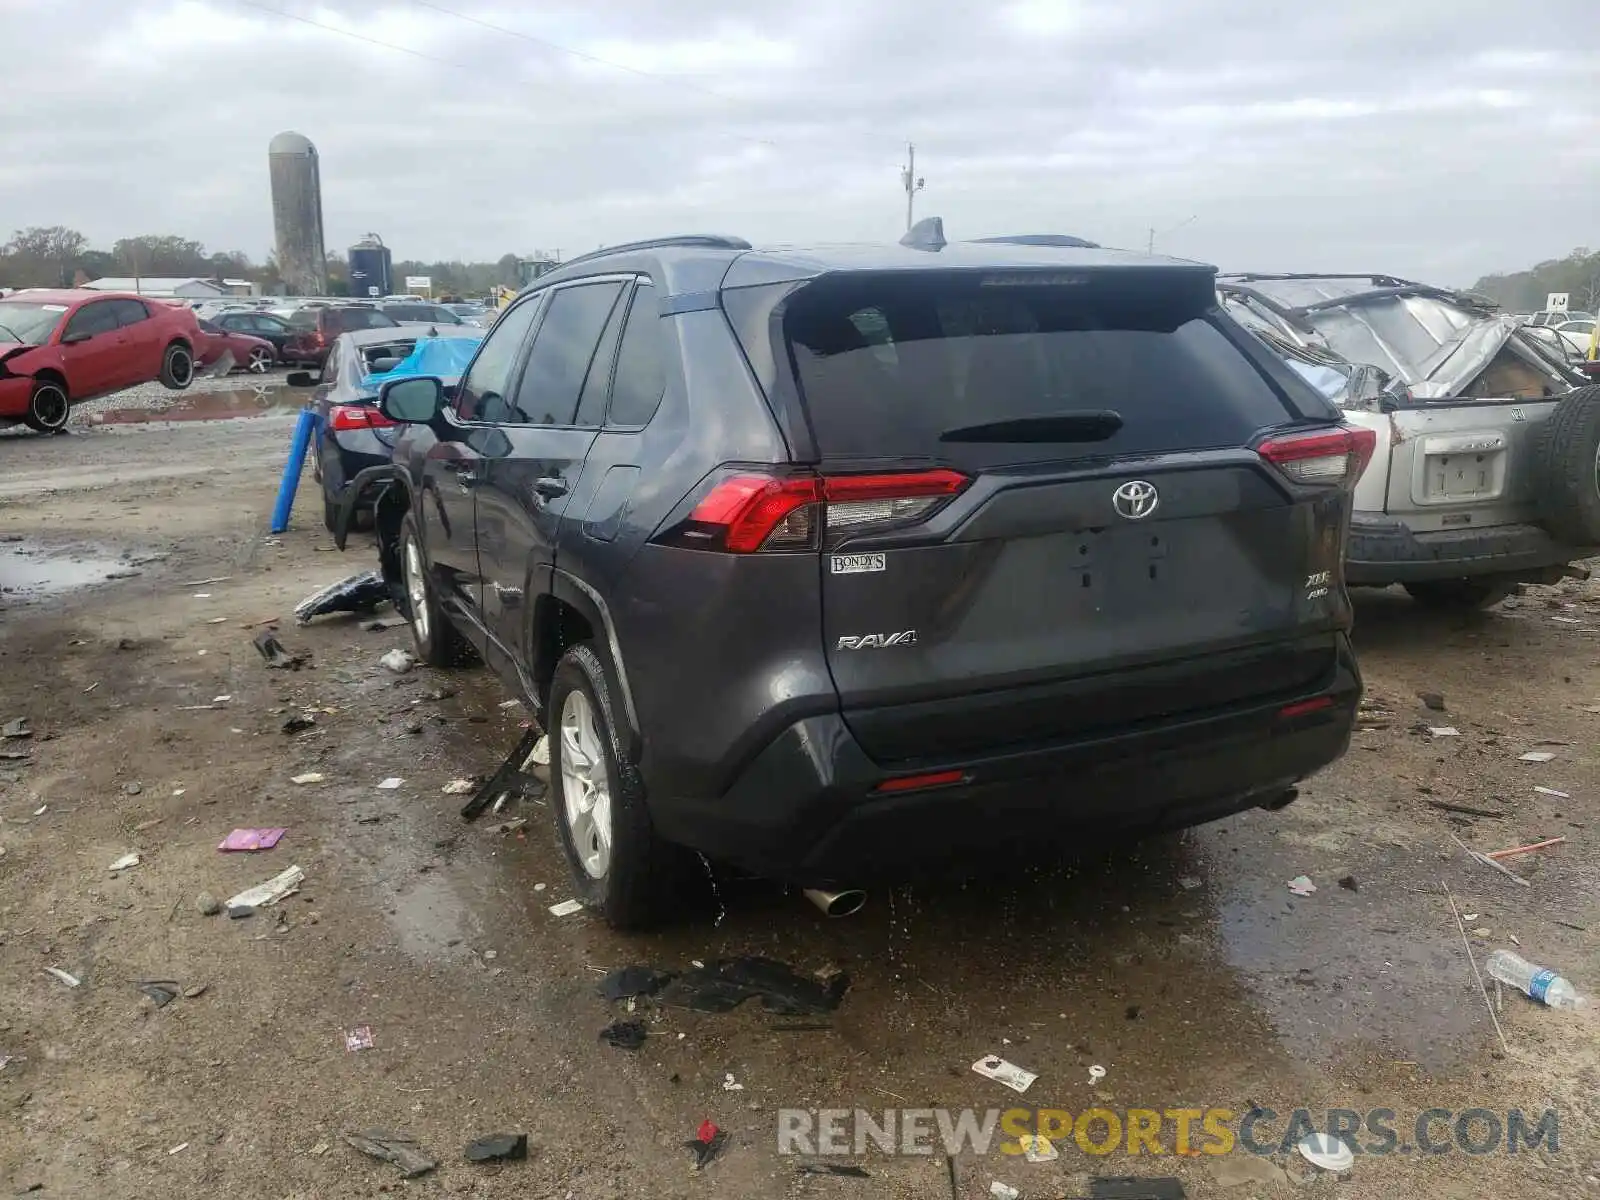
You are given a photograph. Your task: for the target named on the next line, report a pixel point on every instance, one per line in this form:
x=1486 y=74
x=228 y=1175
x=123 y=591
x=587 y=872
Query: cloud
x=1434 y=139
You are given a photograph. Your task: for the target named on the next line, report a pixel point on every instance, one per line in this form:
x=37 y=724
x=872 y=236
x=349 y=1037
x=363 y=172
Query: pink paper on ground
x=252 y=839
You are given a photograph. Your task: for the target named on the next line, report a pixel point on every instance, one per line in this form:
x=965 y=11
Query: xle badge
x=856 y=564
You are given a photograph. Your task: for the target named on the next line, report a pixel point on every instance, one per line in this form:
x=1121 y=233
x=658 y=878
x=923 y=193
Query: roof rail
x=1063 y=241
x=710 y=241
x=926 y=234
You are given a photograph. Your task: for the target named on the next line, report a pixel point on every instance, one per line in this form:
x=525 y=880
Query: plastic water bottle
x=1543 y=985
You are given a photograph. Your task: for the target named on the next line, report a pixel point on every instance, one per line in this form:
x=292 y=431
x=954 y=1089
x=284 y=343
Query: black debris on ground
x=508 y=781
x=1127 y=1187
x=625 y=1035
x=722 y=986
x=627 y=982
x=358 y=594
x=838 y=1170
x=706 y=1144
x=498 y=1147
x=1350 y=883
x=162 y=992
x=297 y=724
x=277 y=658
x=1431 y=700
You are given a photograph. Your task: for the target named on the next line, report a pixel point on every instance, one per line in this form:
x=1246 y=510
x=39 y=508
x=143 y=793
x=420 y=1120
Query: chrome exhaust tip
x=838 y=904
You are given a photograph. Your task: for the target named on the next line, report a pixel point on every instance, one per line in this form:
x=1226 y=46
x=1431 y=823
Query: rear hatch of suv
x=1055 y=505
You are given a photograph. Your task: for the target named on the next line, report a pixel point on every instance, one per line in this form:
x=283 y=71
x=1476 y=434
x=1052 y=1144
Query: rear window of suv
x=343 y=320
x=888 y=364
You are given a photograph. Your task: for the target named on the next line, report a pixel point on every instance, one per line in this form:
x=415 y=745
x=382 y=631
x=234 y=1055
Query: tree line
x=1578 y=274
x=55 y=256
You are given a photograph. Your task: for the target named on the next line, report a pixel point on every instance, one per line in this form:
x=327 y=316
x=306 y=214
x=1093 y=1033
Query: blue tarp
x=445 y=357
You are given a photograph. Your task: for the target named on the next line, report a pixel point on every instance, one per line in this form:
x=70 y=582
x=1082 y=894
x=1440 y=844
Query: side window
x=641 y=371
x=98 y=317
x=597 y=387
x=481 y=396
x=130 y=312
x=330 y=365
x=562 y=350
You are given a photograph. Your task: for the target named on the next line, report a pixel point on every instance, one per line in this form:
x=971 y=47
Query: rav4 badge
x=878 y=641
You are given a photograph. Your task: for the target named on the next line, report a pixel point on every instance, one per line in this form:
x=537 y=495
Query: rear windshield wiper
x=1087 y=426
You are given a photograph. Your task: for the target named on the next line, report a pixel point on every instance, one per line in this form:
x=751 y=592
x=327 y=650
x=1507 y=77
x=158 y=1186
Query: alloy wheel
x=417 y=589
x=585 y=790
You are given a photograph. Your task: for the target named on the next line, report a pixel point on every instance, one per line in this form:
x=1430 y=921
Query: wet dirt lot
x=137 y=569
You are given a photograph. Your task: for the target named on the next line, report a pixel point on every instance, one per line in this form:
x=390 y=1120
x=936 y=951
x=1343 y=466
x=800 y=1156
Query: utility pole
x=1150 y=242
x=912 y=182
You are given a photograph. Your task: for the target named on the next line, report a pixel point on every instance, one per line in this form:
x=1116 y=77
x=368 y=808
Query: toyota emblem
x=1135 y=499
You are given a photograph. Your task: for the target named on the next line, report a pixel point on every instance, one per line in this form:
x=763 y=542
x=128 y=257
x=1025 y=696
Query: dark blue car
x=351 y=433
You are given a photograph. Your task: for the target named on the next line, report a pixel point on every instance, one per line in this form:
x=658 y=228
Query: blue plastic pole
x=304 y=427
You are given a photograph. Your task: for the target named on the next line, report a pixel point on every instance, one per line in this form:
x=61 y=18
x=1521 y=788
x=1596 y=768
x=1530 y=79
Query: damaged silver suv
x=1488 y=442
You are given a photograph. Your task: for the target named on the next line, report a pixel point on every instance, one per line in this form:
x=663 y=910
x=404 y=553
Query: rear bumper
x=806 y=808
x=1385 y=551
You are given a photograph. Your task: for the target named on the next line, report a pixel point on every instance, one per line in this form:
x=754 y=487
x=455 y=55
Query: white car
x=1578 y=334
x=1484 y=473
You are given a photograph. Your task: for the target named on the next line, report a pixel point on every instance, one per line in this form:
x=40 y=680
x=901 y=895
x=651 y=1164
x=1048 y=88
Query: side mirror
x=301 y=379
x=416 y=401
x=73 y=339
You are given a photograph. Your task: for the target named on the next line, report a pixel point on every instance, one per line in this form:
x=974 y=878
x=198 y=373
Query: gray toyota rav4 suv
x=841 y=563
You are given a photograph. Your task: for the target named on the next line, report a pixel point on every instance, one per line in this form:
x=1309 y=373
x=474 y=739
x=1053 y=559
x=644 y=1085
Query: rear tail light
x=1300 y=708
x=1327 y=458
x=744 y=514
x=356 y=416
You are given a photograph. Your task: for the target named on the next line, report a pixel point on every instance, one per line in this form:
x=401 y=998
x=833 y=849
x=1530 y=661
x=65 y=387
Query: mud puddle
x=250 y=400
x=29 y=572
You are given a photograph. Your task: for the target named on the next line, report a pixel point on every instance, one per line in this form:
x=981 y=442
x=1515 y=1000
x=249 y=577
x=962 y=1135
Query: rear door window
x=562 y=351
x=305 y=318
x=343 y=320
x=641 y=376
x=890 y=366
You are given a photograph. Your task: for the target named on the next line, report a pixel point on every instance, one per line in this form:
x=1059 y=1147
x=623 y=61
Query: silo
x=371 y=268
x=297 y=214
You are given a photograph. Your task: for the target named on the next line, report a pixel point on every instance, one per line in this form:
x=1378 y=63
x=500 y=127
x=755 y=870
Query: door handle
x=551 y=487
x=467 y=479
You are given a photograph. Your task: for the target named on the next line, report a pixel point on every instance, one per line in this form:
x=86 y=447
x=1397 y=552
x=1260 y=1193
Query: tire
x=48 y=407
x=439 y=643
x=260 y=361
x=177 y=367
x=1568 y=487
x=1459 y=594
x=629 y=879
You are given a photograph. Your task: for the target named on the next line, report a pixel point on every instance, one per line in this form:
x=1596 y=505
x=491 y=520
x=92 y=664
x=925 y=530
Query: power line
x=371 y=41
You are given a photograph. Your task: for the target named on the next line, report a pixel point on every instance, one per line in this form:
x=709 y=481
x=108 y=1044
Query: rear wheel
x=620 y=867
x=48 y=407
x=439 y=643
x=260 y=361
x=1459 y=593
x=177 y=367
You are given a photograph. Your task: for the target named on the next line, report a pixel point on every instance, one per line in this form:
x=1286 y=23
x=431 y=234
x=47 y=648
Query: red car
x=59 y=348
x=250 y=353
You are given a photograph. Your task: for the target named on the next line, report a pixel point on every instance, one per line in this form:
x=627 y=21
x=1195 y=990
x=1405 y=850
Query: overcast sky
x=1432 y=138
